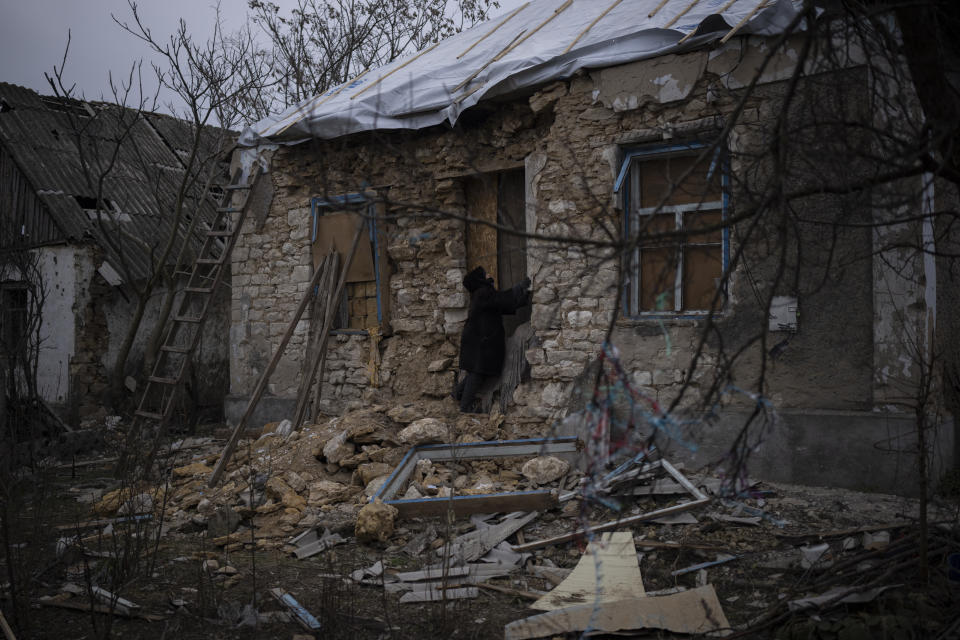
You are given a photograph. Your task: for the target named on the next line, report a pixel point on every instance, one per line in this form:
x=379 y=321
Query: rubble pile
x=286 y=481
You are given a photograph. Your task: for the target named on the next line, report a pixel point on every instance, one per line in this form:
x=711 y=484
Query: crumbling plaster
x=57 y=337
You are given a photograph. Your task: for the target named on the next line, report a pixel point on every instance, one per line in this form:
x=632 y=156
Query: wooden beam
x=591 y=25
x=320 y=356
x=491 y=32
x=262 y=382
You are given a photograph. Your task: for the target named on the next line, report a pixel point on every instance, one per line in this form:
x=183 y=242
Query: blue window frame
x=352 y=318
x=675 y=203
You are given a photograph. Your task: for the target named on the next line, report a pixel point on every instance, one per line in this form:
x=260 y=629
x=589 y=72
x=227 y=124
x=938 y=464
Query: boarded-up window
x=500 y=246
x=674 y=207
x=335 y=222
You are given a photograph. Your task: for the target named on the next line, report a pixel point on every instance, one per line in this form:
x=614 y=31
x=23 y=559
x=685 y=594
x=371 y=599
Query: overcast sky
x=33 y=34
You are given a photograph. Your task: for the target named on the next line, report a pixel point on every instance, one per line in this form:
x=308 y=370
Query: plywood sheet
x=607 y=572
x=339 y=229
x=694 y=612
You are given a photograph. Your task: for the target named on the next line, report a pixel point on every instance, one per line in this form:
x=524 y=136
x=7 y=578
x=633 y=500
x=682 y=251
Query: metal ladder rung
x=149 y=414
x=217 y=261
x=197 y=290
x=194 y=319
x=221 y=233
x=161 y=380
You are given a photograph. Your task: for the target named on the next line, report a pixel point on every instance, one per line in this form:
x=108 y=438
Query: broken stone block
x=544 y=469
x=296 y=482
x=281 y=492
x=371 y=470
x=374 y=485
x=439 y=365
x=194 y=469
x=327 y=492
x=404 y=414
x=424 y=431
x=337 y=448
x=222 y=522
x=375 y=522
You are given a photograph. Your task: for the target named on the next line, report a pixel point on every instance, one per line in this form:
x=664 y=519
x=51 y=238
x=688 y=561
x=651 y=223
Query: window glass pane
x=658 y=273
x=694 y=220
x=661 y=178
x=655 y=225
x=702 y=269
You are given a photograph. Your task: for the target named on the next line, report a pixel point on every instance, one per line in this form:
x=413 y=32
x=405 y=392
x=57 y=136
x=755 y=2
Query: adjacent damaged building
x=708 y=195
x=87 y=200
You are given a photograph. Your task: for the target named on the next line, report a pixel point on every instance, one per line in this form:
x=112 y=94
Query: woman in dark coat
x=482 y=342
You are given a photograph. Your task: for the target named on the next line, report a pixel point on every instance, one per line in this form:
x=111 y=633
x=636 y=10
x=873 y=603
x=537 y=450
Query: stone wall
x=571 y=138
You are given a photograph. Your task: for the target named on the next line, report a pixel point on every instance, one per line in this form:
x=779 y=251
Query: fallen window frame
x=484 y=503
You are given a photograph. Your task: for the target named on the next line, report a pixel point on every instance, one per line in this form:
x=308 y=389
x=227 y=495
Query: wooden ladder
x=159 y=399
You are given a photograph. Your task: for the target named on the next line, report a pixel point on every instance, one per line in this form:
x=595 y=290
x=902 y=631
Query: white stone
x=554 y=394
x=424 y=431
x=544 y=469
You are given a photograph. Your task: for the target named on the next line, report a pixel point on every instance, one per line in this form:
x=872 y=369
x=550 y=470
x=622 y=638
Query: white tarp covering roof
x=543 y=40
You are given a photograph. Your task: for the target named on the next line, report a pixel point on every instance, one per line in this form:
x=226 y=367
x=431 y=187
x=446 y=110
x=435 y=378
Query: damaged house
x=88 y=201
x=684 y=187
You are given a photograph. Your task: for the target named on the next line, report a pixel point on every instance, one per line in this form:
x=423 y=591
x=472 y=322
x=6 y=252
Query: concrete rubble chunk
x=545 y=469
x=375 y=522
x=425 y=431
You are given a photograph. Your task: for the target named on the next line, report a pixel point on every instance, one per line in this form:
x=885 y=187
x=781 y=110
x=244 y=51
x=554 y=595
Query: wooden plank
x=262 y=383
x=7 y=631
x=700 y=499
x=435 y=595
x=320 y=357
x=474 y=545
x=481 y=195
x=490 y=33
x=529 y=595
x=693 y=612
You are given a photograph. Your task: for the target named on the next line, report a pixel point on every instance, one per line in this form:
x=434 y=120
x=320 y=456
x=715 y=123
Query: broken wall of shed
x=570 y=138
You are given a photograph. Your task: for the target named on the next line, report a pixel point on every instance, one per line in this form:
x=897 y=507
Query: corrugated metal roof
x=65 y=154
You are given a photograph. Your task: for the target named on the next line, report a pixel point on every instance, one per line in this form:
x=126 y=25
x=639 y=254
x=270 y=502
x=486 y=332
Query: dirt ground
x=188 y=583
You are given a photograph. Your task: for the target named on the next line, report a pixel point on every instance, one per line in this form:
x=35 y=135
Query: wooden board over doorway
x=481 y=193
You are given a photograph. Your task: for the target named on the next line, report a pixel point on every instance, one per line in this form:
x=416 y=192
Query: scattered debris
x=721 y=559
x=304 y=617
x=438 y=593
x=839 y=595
x=310 y=544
